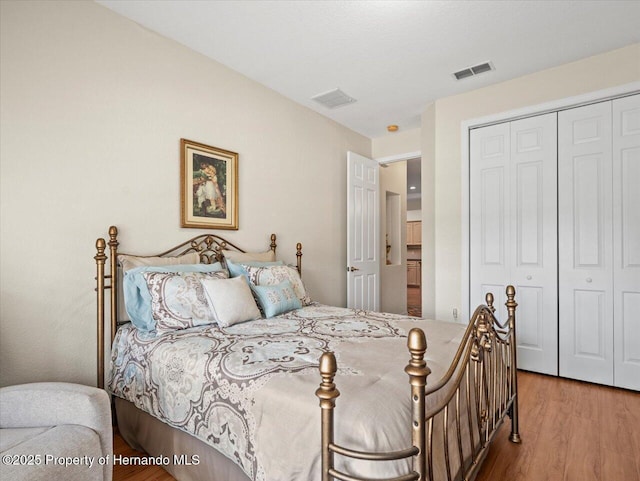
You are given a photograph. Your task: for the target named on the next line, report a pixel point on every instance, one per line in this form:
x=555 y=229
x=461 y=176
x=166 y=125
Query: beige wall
x=393 y=278
x=414 y=214
x=396 y=143
x=427 y=173
x=610 y=69
x=92 y=110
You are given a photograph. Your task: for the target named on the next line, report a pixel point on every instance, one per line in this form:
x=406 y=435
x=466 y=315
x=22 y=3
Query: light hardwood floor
x=571 y=431
x=135 y=473
x=414 y=301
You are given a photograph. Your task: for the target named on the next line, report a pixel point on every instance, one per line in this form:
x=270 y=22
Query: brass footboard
x=451 y=437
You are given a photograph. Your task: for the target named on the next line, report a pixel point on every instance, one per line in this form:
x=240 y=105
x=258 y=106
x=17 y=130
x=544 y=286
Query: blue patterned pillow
x=276 y=299
x=273 y=275
x=137 y=300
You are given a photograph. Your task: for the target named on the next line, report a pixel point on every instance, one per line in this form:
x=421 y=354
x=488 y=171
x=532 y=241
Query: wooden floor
x=135 y=473
x=414 y=301
x=571 y=431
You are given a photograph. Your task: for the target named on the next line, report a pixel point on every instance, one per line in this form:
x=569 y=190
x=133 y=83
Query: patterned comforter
x=249 y=390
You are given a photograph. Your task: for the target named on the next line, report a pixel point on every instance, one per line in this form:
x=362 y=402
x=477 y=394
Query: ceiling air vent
x=333 y=99
x=471 y=71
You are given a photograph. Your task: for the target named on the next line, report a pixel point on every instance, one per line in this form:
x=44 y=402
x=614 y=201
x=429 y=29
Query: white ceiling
x=394 y=57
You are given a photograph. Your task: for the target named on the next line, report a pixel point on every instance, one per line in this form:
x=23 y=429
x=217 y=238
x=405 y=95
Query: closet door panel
x=626 y=241
x=489 y=214
x=533 y=201
x=585 y=243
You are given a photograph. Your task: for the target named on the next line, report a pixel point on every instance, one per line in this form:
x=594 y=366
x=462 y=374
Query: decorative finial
x=100 y=257
x=489 y=299
x=417 y=368
x=113 y=238
x=511 y=303
x=327 y=392
x=416 y=342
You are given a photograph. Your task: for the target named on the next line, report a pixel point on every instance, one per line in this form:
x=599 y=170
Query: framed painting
x=208 y=186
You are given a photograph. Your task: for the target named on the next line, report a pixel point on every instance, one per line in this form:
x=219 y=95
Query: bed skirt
x=143 y=432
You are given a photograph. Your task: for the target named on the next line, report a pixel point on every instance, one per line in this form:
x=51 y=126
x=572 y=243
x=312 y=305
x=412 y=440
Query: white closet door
x=534 y=259
x=489 y=228
x=626 y=241
x=513 y=234
x=585 y=243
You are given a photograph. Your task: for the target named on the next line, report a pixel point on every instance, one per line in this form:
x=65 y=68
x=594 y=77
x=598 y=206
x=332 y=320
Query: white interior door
x=363 y=233
x=534 y=240
x=626 y=241
x=585 y=243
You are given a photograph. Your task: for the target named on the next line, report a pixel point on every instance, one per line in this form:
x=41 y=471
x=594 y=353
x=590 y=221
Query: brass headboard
x=208 y=246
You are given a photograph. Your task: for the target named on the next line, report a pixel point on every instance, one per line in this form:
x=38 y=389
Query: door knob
x=351 y=269
x=528 y=278
x=589 y=279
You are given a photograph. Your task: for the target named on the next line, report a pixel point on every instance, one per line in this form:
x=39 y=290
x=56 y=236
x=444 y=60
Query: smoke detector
x=333 y=99
x=475 y=70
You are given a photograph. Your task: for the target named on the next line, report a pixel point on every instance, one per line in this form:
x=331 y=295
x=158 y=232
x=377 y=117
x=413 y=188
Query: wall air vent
x=333 y=99
x=475 y=70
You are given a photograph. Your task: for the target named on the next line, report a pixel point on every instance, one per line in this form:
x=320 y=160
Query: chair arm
x=55 y=404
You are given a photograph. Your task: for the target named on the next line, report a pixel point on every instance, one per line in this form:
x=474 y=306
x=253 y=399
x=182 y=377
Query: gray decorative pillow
x=178 y=300
x=272 y=275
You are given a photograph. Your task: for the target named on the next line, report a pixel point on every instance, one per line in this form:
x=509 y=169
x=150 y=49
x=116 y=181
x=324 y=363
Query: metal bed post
x=418 y=371
x=299 y=257
x=511 y=308
x=113 y=248
x=327 y=393
x=100 y=259
x=273 y=244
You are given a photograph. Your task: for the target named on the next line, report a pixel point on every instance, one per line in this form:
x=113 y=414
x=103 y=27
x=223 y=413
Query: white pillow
x=231 y=300
x=239 y=257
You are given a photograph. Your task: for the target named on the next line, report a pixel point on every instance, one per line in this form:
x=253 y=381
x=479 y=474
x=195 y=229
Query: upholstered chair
x=47 y=427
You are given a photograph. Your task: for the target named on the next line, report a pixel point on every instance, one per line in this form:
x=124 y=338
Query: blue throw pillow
x=276 y=299
x=236 y=269
x=137 y=300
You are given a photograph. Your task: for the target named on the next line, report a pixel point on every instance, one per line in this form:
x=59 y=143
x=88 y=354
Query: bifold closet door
x=490 y=222
x=513 y=230
x=585 y=248
x=626 y=241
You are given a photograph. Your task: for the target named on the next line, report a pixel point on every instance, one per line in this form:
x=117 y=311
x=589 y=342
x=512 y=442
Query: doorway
x=394 y=194
x=414 y=238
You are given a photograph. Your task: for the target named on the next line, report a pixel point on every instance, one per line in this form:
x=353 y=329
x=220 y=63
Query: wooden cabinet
x=414 y=233
x=414 y=273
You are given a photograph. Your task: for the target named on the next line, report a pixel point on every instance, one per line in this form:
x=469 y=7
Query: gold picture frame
x=208 y=186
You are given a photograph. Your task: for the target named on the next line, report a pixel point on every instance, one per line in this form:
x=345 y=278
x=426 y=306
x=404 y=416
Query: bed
x=239 y=401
